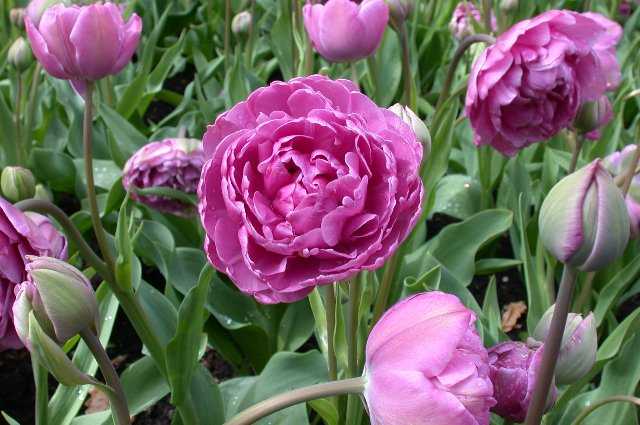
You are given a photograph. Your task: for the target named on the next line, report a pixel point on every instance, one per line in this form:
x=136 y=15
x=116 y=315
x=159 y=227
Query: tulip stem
x=575 y=154
x=385 y=287
x=227 y=34
x=41 y=379
x=282 y=401
x=409 y=96
x=466 y=42
x=354 y=321
x=118 y=401
x=70 y=230
x=552 y=347
x=31 y=108
x=331 y=331
x=598 y=404
x=486 y=12
x=20 y=154
x=99 y=231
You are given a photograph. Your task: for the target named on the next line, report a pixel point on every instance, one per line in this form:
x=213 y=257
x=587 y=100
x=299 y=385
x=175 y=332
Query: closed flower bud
x=583 y=220
x=19 y=55
x=16 y=16
x=508 y=5
x=17 y=184
x=592 y=116
x=579 y=345
x=241 y=23
x=417 y=125
x=513 y=368
x=618 y=164
x=43 y=193
x=60 y=297
x=399 y=10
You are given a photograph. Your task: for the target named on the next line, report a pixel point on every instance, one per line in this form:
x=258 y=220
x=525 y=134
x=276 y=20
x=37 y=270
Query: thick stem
x=354 y=322
x=551 y=347
x=486 y=14
x=41 y=379
x=18 y=122
x=575 y=154
x=598 y=404
x=457 y=57
x=31 y=106
x=408 y=97
x=227 y=34
x=282 y=401
x=330 y=309
x=101 y=236
x=354 y=73
x=119 y=407
x=385 y=287
x=70 y=230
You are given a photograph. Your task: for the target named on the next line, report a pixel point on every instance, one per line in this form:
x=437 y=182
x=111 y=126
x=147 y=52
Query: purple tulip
x=84 y=43
x=426 y=365
x=583 y=220
x=306 y=183
x=461 y=24
x=513 y=370
x=618 y=164
x=529 y=85
x=170 y=163
x=21 y=234
x=344 y=31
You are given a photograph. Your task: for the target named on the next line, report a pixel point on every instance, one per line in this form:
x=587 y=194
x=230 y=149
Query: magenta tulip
x=21 y=234
x=426 y=365
x=170 y=163
x=84 y=43
x=343 y=31
x=529 y=85
x=306 y=183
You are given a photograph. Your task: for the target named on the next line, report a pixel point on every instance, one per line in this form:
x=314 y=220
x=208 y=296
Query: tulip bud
x=242 y=23
x=579 y=345
x=416 y=124
x=508 y=5
x=19 y=55
x=17 y=184
x=60 y=298
x=583 y=220
x=16 y=16
x=399 y=10
x=43 y=193
x=592 y=116
x=513 y=369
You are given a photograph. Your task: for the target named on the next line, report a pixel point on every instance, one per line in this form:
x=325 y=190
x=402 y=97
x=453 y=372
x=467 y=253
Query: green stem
x=354 y=73
x=18 y=121
x=118 y=401
x=227 y=34
x=598 y=404
x=282 y=401
x=46 y=207
x=41 y=378
x=354 y=322
x=575 y=154
x=409 y=96
x=385 y=287
x=373 y=78
x=248 y=54
x=486 y=12
x=101 y=236
x=457 y=57
x=331 y=331
x=31 y=106
x=552 y=345
x=585 y=292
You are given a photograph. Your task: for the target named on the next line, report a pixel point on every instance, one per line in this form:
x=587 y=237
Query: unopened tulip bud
x=43 y=193
x=417 y=125
x=241 y=23
x=16 y=16
x=508 y=5
x=60 y=297
x=592 y=116
x=513 y=369
x=19 y=55
x=583 y=220
x=579 y=345
x=17 y=184
x=399 y=10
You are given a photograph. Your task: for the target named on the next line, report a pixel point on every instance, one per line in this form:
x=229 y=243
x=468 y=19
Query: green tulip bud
x=43 y=193
x=399 y=10
x=17 y=183
x=19 y=55
x=583 y=220
x=16 y=16
x=242 y=23
x=417 y=125
x=579 y=345
x=592 y=116
x=508 y=5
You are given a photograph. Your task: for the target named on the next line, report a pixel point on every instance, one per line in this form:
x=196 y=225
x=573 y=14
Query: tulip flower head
x=464 y=17
x=583 y=220
x=426 y=365
x=83 y=43
x=345 y=31
x=417 y=125
x=593 y=116
x=513 y=370
x=19 y=55
x=579 y=345
x=618 y=164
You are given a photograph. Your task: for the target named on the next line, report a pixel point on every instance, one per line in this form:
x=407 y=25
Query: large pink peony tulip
x=21 y=234
x=170 y=163
x=426 y=365
x=307 y=182
x=531 y=82
x=343 y=31
x=84 y=43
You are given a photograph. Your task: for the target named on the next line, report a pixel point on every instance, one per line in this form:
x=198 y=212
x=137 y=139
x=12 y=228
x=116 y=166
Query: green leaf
x=105 y=172
x=296 y=326
x=124 y=255
x=182 y=350
x=168 y=192
x=55 y=168
x=168 y=59
x=457 y=196
x=491 y=317
x=126 y=137
x=115 y=197
x=155 y=244
x=160 y=311
x=487 y=266
x=282 y=42
x=9 y=419
x=614 y=289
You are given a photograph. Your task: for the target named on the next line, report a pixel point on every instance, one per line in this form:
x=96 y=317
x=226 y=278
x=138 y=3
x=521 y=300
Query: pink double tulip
x=344 y=31
x=83 y=43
